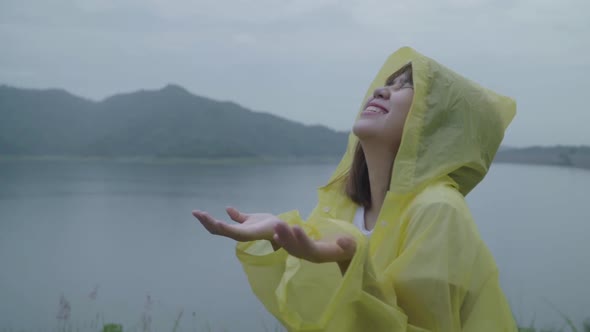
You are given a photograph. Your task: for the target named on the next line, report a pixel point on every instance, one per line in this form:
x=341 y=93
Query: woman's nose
x=382 y=93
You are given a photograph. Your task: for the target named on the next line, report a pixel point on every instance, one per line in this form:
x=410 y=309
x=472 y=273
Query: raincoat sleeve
x=422 y=289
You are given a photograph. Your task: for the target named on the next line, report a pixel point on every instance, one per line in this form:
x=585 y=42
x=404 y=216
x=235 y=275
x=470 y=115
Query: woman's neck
x=379 y=164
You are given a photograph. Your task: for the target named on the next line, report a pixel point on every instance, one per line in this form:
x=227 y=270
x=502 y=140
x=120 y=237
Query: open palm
x=248 y=227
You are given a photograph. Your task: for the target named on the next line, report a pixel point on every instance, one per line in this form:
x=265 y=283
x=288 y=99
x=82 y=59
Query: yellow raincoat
x=425 y=266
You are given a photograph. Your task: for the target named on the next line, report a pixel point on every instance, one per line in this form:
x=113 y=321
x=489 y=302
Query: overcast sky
x=307 y=60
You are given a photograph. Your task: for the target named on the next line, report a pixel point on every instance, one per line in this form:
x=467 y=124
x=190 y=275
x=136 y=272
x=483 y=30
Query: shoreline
x=237 y=160
x=176 y=160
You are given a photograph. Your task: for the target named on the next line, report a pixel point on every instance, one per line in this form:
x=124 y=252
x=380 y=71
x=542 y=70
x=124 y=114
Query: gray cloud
x=307 y=60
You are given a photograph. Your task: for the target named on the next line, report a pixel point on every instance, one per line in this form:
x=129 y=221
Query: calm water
x=68 y=227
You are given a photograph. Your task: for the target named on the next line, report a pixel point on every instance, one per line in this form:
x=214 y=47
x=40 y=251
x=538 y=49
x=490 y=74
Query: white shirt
x=359 y=221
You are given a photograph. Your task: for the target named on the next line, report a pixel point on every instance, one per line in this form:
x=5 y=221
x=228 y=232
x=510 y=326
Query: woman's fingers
x=346 y=247
x=307 y=245
x=236 y=215
x=297 y=243
x=347 y=243
x=218 y=227
x=285 y=237
x=212 y=225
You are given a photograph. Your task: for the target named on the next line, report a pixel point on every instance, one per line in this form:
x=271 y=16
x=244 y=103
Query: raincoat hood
x=454 y=127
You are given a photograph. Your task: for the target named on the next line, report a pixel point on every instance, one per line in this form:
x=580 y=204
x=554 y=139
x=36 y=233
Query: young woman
x=391 y=244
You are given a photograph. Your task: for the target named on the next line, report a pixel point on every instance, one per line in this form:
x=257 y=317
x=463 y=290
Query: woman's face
x=382 y=119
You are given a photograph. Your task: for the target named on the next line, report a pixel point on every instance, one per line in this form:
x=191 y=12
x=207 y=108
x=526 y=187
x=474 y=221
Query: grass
x=569 y=326
x=64 y=323
x=110 y=327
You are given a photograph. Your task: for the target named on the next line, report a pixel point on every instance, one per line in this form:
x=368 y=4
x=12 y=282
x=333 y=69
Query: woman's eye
x=404 y=86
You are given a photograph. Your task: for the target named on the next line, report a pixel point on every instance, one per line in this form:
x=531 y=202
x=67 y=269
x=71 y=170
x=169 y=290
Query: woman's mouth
x=373 y=108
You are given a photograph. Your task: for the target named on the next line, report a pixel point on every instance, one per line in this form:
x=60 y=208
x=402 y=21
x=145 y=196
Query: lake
x=106 y=235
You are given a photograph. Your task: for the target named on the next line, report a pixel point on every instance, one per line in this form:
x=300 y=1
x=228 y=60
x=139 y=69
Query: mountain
x=170 y=122
x=569 y=156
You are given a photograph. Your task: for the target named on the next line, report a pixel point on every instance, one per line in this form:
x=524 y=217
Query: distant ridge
x=166 y=123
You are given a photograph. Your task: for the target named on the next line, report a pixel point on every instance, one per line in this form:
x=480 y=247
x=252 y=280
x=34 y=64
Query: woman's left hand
x=298 y=244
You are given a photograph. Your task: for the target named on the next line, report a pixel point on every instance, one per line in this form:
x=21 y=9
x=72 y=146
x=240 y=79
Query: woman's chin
x=364 y=129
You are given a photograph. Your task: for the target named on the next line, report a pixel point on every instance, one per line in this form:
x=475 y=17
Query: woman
x=393 y=216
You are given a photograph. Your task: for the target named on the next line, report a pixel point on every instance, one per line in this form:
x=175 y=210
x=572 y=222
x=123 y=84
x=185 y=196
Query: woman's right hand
x=249 y=227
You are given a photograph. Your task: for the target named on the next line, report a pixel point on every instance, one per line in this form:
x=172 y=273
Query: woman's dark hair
x=358 y=188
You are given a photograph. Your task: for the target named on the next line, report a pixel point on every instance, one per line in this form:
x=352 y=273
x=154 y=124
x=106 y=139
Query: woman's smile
x=374 y=108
